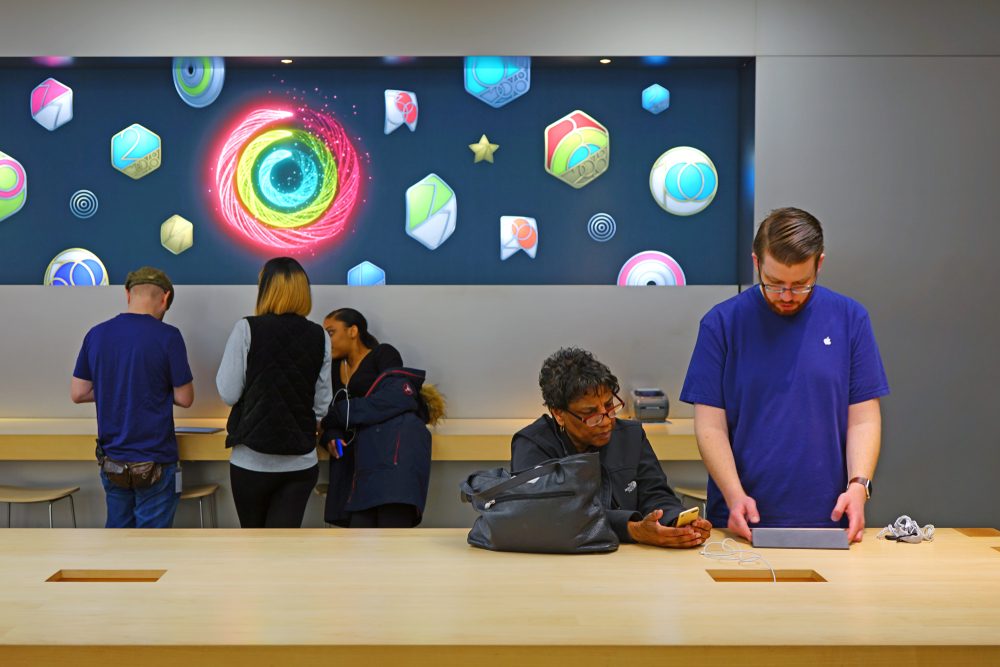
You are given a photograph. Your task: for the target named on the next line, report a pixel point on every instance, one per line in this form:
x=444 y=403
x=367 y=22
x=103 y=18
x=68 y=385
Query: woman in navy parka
x=380 y=473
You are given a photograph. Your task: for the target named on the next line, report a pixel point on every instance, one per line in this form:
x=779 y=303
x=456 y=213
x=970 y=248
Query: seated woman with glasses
x=581 y=394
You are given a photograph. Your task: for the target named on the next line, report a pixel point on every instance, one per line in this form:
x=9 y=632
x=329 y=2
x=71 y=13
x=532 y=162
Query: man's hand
x=651 y=531
x=741 y=512
x=852 y=501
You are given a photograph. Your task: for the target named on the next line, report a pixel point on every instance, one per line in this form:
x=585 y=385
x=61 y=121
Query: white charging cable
x=905 y=529
x=729 y=550
x=347 y=417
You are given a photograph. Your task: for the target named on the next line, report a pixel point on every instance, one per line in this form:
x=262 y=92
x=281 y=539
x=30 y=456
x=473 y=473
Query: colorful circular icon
x=683 y=181
x=651 y=267
x=76 y=267
x=83 y=204
x=199 y=80
x=13 y=186
x=601 y=227
x=287 y=180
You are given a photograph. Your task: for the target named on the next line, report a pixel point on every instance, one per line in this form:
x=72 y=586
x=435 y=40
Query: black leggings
x=394 y=515
x=272 y=499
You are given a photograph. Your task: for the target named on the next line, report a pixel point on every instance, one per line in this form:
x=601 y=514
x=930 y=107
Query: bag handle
x=516 y=481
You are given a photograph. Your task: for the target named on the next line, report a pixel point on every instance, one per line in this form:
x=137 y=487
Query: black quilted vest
x=275 y=413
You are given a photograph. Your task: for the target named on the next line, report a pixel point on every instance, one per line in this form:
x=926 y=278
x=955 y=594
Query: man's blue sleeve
x=180 y=371
x=82 y=369
x=868 y=378
x=703 y=383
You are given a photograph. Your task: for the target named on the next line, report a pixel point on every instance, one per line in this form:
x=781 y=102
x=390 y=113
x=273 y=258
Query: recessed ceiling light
x=286 y=61
x=605 y=61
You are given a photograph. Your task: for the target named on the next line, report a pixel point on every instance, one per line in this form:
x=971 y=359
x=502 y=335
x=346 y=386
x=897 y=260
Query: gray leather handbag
x=552 y=508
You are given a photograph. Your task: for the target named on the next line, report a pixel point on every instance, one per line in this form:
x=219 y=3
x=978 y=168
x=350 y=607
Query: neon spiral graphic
x=83 y=204
x=601 y=227
x=287 y=180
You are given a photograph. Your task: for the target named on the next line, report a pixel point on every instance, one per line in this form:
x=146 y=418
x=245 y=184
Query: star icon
x=483 y=149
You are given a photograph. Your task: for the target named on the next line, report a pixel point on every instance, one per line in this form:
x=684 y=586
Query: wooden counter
x=424 y=596
x=454 y=440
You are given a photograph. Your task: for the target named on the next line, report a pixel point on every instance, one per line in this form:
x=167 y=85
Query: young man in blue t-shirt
x=135 y=369
x=786 y=379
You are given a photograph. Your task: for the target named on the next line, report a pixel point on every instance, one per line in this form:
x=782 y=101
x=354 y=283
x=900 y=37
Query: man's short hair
x=789 y=235
x=148 y=275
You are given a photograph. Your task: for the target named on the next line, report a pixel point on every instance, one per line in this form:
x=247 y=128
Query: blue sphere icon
x=76 y=267
x=683 y=181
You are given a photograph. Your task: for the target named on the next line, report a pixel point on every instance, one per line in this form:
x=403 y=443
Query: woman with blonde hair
x=275 y=373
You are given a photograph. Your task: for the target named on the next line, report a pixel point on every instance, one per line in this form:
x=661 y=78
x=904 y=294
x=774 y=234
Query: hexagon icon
x=656 y=99
x=577 y=149
x=52 y=104
x=365 y=274
x=176 y=234
x=431 y=211
x=136 y=151
x=497 y=80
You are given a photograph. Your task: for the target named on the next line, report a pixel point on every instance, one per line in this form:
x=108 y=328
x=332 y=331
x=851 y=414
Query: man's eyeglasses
x=778 y=289
x=598 y=419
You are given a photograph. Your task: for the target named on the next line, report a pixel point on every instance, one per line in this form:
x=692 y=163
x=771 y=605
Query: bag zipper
x=526 y=496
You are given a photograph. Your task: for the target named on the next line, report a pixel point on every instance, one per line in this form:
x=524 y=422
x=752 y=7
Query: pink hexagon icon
x=52 y=104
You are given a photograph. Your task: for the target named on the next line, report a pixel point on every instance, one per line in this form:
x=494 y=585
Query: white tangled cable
x=729 y=550
x=905 y=529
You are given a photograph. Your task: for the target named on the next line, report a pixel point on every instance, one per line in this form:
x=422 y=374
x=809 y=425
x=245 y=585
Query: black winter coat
x=388 y=458
x=628 y=465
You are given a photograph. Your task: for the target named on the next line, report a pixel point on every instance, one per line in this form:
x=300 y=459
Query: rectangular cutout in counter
x=979 y=532
x=108 y=576
x=752 y=576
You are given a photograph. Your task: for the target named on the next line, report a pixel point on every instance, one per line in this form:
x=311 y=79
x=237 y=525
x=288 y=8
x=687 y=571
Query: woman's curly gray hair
x=570 y=373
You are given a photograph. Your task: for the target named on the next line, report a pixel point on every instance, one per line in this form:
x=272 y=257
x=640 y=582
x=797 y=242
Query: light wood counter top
x=453 y=440
x=424 y=596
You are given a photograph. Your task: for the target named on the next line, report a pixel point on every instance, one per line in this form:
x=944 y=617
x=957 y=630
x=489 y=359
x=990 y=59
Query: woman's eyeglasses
x=598 y=419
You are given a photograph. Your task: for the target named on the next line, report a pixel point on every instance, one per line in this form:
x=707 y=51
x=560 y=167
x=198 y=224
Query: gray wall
x=880 y=117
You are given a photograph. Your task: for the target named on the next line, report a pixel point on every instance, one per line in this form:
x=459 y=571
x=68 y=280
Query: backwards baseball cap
x=148 y=275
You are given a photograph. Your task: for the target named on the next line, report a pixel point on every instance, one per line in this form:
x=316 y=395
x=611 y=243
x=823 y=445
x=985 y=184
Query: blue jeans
x=152 y=507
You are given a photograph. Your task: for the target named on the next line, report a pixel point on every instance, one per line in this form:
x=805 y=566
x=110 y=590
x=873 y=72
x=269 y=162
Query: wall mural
x=510 y=170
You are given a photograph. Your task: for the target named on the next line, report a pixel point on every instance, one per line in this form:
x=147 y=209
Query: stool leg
x=50 y=514
x=201 y=514
x=72 y=509
x=10 y=508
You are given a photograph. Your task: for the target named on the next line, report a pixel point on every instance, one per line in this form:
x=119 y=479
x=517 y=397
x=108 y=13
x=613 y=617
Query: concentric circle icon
x=287 y=180
x=683 y=181
x=83 y=204
x=76 y=267
x=651 y=267
x=601 y=227
x=199 y=80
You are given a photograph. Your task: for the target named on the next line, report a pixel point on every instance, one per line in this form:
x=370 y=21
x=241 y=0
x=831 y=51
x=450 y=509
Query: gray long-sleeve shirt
x=230 y=381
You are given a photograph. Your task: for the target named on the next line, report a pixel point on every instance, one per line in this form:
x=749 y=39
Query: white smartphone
x=686 y=517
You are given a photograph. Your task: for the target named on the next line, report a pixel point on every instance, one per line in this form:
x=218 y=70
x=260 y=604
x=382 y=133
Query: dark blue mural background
x=711 y=102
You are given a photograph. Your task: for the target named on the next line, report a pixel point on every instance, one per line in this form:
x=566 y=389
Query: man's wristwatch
x=865 y=482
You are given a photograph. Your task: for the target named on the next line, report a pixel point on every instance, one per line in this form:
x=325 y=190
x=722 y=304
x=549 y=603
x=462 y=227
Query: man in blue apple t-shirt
x=135 y=368
x=786 y=379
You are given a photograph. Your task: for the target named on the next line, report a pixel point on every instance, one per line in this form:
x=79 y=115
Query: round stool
x=24 y=494
x=200 y=493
